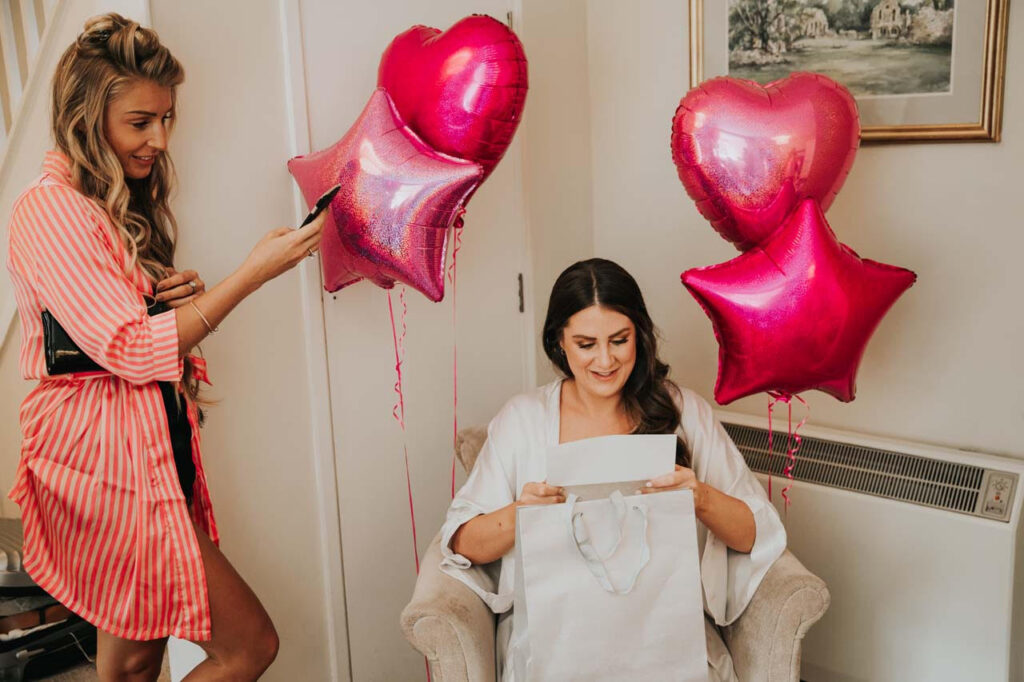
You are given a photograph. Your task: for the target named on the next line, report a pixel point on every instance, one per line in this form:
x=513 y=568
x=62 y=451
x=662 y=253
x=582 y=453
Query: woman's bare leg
x=128 y=660
x=244 y=642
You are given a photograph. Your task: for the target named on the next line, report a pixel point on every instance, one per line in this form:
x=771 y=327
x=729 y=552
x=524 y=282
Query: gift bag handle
x=595 y=562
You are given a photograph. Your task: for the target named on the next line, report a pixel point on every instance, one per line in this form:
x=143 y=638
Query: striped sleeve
x=78 y=279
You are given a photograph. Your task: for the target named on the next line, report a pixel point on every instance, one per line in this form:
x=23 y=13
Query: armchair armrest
x=449 y=624
x=765 y=640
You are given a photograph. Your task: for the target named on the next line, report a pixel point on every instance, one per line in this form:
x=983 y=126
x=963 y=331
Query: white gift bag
x=609 y=589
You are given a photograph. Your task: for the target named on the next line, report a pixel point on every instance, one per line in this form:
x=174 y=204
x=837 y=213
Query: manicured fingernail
x=638 y=492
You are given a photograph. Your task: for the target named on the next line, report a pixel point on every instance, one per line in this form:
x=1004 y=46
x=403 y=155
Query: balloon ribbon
x=452 y=271
x=793 y=440
x=398 y=411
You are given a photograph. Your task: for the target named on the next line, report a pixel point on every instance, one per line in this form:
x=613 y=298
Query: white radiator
x=921 y=549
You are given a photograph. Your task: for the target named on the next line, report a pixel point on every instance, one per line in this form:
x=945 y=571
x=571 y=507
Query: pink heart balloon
x=462 y=91
x=748 y=154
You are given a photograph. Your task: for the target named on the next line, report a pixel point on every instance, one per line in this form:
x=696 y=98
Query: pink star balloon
x=398 y=199
x=748 y=154
x=462 y=91
x=797 y=312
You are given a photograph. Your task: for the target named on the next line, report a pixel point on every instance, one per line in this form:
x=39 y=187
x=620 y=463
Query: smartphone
x=323 y=202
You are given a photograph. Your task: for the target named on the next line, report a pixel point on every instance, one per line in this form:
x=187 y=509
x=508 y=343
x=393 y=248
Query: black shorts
x=181 y=438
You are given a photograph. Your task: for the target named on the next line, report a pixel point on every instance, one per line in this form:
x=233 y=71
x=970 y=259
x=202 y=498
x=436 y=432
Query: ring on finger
x=312 y=253
x=192 y=283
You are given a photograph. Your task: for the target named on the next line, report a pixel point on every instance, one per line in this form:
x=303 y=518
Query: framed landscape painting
x=920 y=70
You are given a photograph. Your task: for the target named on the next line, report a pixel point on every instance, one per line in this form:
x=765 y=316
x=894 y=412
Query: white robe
x=514 y=455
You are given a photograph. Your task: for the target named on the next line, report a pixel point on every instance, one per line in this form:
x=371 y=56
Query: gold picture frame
x=987 y=127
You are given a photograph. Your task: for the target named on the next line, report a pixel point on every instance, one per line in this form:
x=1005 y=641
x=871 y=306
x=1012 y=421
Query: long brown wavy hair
x=110 y=55
x=646 y=394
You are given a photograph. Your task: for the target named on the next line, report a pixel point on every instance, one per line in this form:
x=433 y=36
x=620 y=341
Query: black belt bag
x=63 y=356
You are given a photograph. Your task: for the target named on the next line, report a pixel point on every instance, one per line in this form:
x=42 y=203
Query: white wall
x=945 y=365
x=14 y=391
x=557 y=149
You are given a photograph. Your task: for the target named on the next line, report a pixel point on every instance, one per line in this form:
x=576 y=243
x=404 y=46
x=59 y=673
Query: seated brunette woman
x=600 y=337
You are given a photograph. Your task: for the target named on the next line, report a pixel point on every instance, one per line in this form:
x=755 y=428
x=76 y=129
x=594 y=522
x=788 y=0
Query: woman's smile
x=143 y=161
x=604 y=376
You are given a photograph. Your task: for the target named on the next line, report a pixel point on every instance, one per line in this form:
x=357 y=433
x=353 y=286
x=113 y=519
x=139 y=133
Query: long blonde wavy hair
x=111 y=54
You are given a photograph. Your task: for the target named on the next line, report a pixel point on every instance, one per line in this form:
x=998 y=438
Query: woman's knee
x=253 y=658
x=268 y=644
x=131 y=665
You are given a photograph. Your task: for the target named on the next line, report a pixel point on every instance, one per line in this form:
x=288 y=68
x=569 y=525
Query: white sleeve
x=729 y=578
x=490 y=486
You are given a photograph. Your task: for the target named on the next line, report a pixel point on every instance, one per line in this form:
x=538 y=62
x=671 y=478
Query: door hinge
x=522 y=306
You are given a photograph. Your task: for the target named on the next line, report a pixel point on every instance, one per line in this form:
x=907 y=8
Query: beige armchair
x=454 y=629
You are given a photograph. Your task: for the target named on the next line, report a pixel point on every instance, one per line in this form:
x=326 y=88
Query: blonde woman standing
x=115 y=506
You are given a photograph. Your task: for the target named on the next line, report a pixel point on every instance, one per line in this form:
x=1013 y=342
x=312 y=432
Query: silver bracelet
x=209 y=328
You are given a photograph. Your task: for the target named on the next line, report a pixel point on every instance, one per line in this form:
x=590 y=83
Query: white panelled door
x=342 y=46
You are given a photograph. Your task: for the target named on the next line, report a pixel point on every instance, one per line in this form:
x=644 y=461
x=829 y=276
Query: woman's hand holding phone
x=282 y=249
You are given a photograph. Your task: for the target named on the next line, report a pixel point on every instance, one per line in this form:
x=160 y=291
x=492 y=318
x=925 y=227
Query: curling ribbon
x=398 y=411
x=452 y=271
x=793 y=441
